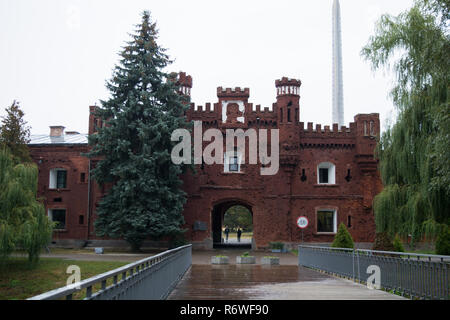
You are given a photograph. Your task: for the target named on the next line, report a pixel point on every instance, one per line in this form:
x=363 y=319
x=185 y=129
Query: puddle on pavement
x=230 y=282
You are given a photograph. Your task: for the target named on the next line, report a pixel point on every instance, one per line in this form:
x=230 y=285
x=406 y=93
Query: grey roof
x=65 y=139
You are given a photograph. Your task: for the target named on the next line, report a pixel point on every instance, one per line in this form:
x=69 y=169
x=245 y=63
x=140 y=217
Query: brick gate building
x=327 y=174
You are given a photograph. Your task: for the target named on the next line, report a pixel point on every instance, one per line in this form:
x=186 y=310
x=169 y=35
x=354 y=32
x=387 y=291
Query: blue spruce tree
x=145 y=199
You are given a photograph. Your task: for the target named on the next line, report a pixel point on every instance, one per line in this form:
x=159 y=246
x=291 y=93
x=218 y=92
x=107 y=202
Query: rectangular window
x=58 y=216
x=81 y=219
x=82 y=177
x=233 y=166
x=61 y=179
x=323 y=175
x=326 y=221
x=289 y=115
x=349 y=221
x=58 y=179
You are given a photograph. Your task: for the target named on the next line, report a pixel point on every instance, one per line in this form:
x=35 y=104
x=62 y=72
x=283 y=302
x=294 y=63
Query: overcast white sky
x=57 y=54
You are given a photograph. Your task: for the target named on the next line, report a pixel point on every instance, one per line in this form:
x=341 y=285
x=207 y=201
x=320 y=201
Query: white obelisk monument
x=338 y=90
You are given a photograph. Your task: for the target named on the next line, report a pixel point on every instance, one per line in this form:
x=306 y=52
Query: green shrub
x=383 y=242
x=398 y=246
x=343 y=238
x=443 y=242
x=276 y=245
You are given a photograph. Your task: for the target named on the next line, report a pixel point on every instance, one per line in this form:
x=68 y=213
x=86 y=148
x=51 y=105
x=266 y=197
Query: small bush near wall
x=343 y=238
x=398 y=246
x=276 y=245
x=383 y=242
x=443 y=242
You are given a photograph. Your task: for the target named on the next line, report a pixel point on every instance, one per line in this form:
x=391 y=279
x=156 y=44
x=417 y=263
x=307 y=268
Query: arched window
x=326 y=173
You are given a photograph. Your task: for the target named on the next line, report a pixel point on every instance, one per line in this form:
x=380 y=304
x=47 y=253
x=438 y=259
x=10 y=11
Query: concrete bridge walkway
x=287 y=281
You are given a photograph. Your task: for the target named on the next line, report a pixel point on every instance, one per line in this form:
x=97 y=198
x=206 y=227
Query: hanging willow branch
x=414 y=153
x=23 y=222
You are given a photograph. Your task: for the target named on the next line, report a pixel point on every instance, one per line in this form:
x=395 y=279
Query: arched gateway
x=218 y=222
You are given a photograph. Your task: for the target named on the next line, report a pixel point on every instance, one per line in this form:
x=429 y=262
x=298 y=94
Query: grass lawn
x=18 y=281
x=106 y=251
x=420 y=251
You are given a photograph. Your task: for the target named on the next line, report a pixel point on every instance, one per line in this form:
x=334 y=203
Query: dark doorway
x=238 y=215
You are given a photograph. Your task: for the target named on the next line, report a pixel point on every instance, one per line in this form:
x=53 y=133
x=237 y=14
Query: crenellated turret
x=288 y=100
x=185 y=83
x=233 y=94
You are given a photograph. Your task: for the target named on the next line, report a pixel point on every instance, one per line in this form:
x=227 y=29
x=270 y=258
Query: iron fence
x=419 y=276
x=152 y=278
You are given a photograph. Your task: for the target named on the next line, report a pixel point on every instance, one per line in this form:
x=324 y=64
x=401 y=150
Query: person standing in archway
x=239 y=233
x=227 y=232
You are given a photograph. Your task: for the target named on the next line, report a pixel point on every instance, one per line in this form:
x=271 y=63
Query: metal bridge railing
x=152 y=278
x=414 y=275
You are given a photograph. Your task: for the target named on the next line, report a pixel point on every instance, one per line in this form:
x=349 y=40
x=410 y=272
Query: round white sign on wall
x=302 y=222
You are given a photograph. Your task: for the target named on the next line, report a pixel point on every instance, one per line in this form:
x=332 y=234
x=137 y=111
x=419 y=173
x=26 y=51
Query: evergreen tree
x=414 y=153
x=443 y=242
x=343 y=238
x=134 y=146
x=383 y=242
x=398 y=245
x=15 y=134
x=23 y=222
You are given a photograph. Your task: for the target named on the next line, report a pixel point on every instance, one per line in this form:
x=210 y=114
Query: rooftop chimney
x=56 y=131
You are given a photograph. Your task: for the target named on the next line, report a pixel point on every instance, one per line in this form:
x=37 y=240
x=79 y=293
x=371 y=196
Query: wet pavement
x=204 y=256
x=287 y=281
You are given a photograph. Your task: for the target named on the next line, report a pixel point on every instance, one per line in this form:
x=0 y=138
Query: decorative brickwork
x=275 y=201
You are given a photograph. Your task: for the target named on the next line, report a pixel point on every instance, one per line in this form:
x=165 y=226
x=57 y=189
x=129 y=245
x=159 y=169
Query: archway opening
x=236 y=218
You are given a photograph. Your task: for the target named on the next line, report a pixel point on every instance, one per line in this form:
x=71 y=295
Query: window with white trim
x=326 y=173
x=58 y=179
x=59 y=217
x=232 y=161
x=326 y=221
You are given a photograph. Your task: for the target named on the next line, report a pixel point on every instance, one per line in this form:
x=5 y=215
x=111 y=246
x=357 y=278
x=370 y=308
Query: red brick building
x=328 y=175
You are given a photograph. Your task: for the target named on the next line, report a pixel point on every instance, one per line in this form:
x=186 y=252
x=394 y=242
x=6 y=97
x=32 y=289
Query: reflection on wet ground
x=260 y=282
x=233 y=281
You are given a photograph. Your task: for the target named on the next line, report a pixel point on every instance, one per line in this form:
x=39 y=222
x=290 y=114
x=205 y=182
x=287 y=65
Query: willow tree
x=414 y=152
x=145 y=199
x=23 y=222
